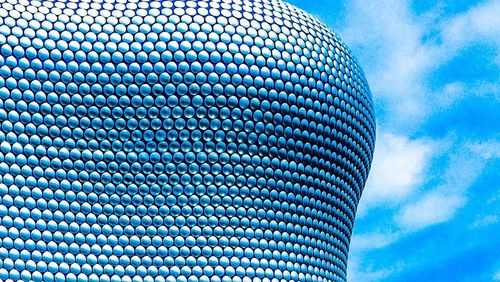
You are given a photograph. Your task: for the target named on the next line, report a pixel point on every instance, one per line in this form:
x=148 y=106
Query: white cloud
x=441 y=203
x=366 y=272
x=400 y=52
x=483 y=221
x=400 y=59
x=496 y=276
x=455 y=91
x=487 y=150
x=433 y=208
x=421 y=182
x=398 y=169
x=396 y=61
x=375 y=240
x=480 y=23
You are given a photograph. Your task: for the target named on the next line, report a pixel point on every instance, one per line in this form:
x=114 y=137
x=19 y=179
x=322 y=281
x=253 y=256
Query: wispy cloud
x=400 y=60
x=396 y=61
x=440 y=204
x=398 y=168
x=434 y=207
x=487 y=150
x=496 y=276
x=478 y=24
x=420 y=192
x=483 y=221
x=437 y=202
x=419 y=179
x=364 y=272
x=455 y=91
x=375 y=240
x=400 y=56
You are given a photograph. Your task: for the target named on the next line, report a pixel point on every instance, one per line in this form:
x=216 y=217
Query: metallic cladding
x=177 y=141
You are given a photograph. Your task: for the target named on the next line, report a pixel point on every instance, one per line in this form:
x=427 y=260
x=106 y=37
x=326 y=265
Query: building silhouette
x=177 y=141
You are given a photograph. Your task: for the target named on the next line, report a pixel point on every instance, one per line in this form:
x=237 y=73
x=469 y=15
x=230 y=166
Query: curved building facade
x=190 y=141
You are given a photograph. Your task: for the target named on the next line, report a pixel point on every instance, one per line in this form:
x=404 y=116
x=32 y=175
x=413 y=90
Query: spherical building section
x=221 y=140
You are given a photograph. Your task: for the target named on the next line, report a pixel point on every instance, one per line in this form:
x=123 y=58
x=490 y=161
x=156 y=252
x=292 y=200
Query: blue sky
x=431 y=207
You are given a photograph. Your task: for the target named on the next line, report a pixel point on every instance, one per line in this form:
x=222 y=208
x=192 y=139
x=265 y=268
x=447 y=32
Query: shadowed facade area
x=177 y=141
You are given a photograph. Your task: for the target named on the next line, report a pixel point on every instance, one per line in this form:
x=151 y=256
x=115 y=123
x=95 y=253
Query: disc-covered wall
x=177 y=141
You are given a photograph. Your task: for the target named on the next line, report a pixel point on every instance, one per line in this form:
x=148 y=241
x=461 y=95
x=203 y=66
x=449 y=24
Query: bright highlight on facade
x=177 y=141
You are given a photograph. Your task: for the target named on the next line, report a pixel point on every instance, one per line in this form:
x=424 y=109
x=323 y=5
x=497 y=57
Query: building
x=177 y=141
